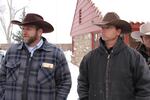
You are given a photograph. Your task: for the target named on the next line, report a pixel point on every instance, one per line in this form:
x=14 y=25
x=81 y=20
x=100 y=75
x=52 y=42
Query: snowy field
x=74 y=74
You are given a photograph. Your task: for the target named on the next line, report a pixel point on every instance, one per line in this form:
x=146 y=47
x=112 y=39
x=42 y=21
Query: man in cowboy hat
x=34 y=69
x=113 y=71
x=144 y=37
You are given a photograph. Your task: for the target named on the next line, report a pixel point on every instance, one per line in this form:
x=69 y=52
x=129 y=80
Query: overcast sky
x=60 y=13
x=130 y=10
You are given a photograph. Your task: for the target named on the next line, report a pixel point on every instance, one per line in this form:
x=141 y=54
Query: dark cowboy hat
x=111 y=18
x=35 y=19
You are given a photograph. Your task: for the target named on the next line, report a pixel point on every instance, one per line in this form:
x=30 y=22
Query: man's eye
x=105 y=27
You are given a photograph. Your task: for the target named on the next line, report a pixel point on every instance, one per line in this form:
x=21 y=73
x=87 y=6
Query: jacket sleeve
x=142 y=79
x=83 y=85
x=2 y=79
x=62 y=77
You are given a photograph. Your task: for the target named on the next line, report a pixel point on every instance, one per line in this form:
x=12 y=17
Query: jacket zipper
x=107 y=77
x=26 y=79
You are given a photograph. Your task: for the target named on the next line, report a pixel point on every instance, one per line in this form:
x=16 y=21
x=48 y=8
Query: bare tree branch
x=12 y=13
x=3 y=25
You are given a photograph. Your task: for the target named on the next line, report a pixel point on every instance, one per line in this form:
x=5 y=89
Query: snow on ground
x=74 y=74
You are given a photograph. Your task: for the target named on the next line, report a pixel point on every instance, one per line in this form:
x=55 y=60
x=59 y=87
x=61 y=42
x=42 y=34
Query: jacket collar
x=142 y=48
x=116 y=48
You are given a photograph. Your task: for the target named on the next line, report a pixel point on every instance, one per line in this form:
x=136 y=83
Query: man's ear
x=40 y=30
x=118 y=31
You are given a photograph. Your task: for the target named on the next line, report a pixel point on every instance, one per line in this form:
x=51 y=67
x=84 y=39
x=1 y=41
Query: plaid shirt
x=44 y=76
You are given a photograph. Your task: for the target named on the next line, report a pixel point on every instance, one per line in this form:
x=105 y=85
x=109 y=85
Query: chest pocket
x=12 y=71
x=46 y=75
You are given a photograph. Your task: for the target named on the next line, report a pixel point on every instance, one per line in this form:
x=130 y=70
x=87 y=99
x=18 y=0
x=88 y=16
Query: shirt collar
x=38 y=45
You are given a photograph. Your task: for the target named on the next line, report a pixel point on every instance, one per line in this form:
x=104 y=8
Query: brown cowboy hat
x=111 y=18
x=35 y=19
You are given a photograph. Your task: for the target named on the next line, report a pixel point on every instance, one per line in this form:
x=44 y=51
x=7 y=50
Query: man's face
x=146 y=40
x=110 y=33
x=30 y=34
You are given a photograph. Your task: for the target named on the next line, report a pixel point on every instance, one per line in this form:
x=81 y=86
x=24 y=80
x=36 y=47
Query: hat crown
x=111 y=16
x=145 y=28
x=35 y=19
x=32 y=18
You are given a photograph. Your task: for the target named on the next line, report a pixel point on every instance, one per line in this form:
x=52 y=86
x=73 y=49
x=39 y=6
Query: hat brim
x=147 y=33
x=103 y=23
x=47 y=27
x=137 y=36
x=123 y=25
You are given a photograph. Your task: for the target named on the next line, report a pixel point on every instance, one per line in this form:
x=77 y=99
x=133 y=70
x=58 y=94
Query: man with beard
x=34 y=69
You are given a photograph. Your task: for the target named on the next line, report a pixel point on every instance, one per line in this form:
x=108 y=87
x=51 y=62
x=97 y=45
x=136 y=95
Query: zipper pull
x=108 y=56
x=30 y=56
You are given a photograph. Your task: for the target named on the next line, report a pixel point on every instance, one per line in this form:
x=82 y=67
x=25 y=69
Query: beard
x=31 y=40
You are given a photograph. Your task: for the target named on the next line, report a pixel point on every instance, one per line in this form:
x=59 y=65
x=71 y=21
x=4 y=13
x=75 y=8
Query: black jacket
x=121 y=75
x=142 y=50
